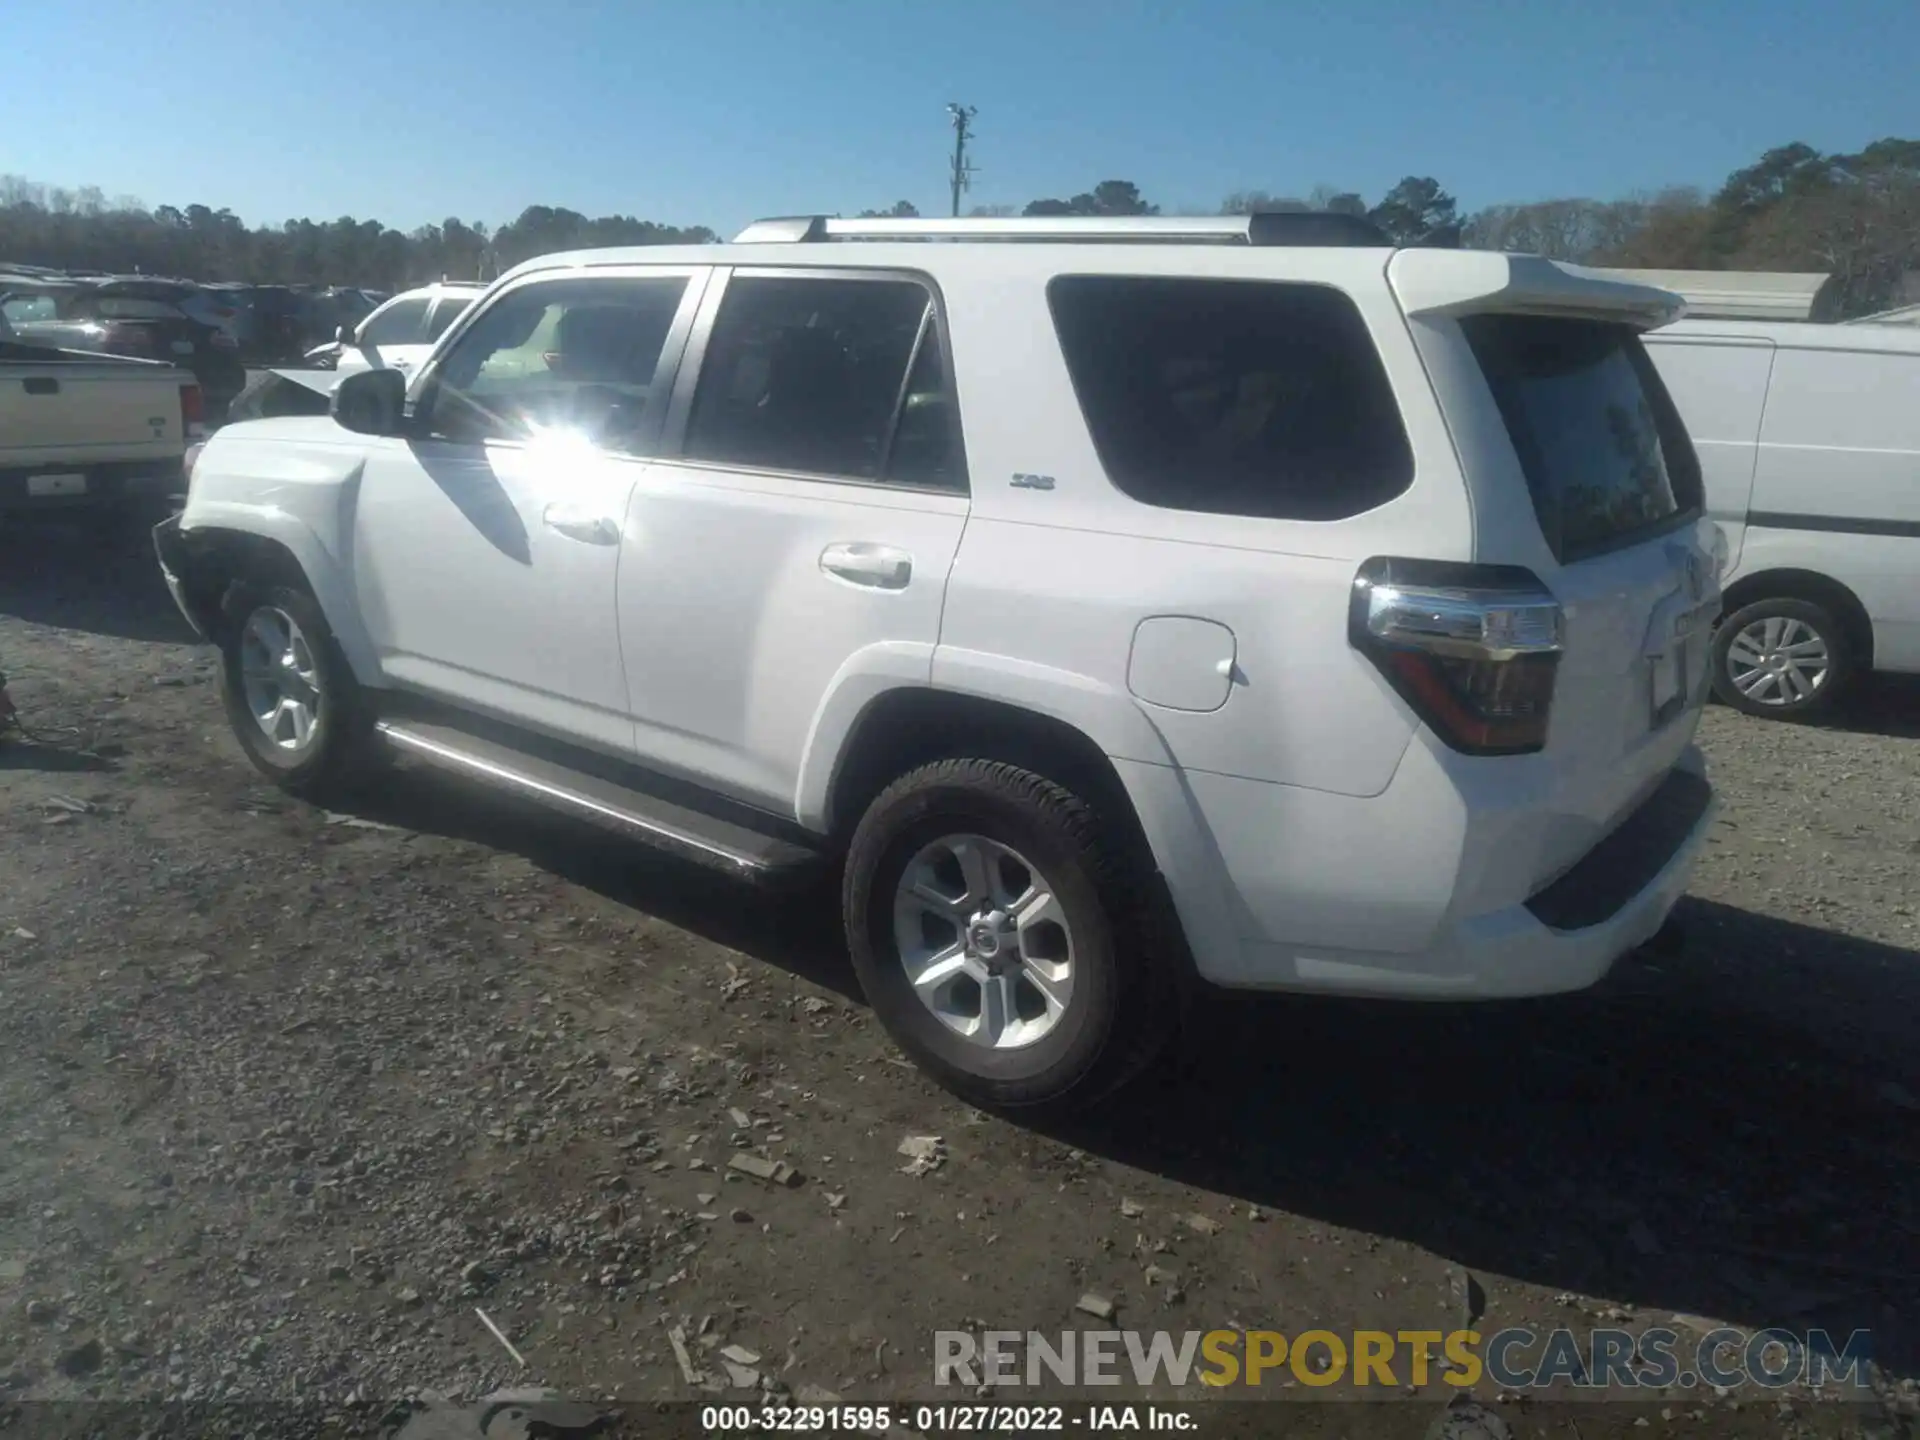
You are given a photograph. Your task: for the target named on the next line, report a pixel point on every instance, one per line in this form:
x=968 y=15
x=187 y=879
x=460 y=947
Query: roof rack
x=1302 y=227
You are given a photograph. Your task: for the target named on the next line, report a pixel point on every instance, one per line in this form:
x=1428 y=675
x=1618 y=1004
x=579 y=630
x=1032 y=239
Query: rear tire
x=291 y=697
x=1781 y=659
x=1002 y=935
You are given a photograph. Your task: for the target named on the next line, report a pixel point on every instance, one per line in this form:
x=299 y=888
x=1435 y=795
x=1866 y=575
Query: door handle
x=880 y=567
x=578 y=524
x=40 y=385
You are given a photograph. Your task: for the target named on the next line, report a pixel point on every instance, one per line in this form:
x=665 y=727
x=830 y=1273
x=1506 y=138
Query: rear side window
x=23 y=309
x=1232 y=397
x=828 y=377
x=1606 y=458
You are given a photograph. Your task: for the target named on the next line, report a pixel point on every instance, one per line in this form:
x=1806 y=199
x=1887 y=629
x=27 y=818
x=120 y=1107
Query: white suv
x=401 y=332
x=1241 y=600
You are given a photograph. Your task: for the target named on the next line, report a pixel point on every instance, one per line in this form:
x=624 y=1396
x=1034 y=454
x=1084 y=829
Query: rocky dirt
x=288 y=1097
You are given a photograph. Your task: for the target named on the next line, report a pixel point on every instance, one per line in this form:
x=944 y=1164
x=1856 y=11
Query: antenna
x=963 y=171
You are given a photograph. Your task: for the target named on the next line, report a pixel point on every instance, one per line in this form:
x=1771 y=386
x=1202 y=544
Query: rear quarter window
x=1606 y=457
x=1234 y=397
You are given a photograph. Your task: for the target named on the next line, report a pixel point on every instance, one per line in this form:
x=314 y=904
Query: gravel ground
x=286 y=1095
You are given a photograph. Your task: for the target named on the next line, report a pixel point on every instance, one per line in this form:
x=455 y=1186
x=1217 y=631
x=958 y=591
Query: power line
x=962 y=177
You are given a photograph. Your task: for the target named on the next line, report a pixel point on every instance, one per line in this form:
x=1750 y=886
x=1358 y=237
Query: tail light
x=193 y=411
x=1474 y=649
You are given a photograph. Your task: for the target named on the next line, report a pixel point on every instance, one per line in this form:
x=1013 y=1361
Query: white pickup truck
x=99 y=431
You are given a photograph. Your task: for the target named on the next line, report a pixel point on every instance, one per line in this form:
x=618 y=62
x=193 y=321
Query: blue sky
x=713 y=112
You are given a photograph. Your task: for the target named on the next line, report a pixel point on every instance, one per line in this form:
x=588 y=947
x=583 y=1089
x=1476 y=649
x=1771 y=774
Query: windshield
x=450 y=309
x=401 y=323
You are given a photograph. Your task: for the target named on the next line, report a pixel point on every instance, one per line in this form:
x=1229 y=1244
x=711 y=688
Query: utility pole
x=962 y=132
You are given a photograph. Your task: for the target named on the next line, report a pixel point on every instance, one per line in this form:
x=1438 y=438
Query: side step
x=705 y=839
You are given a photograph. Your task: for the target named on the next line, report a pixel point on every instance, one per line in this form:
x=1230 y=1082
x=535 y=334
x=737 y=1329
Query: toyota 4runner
x=1145 y=601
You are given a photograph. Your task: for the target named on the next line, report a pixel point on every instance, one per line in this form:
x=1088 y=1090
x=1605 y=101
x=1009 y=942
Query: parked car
x=1231 y=599
x=1809 y=438
x=220 y=306
x=334 y=307
x=401 y=332
x=79 y=429
x=136 y=317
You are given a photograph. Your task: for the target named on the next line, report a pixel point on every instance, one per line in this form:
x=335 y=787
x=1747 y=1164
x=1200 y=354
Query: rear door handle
x=880 y=567
x=577 y=524
x=41 y=385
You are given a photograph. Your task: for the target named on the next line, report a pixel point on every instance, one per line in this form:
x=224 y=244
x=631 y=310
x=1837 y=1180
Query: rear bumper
x=1406 y=896
x=50 y=487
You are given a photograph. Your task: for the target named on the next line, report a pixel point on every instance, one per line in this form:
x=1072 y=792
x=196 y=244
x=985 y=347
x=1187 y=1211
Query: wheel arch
x=215 y=558
x=912 y=725
x=1784 y=583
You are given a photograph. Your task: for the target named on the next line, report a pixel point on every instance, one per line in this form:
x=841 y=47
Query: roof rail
x=1303 y=227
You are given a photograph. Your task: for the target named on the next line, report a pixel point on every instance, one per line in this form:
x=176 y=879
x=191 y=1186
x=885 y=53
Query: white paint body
x=1313 y=833
x=1809 y=440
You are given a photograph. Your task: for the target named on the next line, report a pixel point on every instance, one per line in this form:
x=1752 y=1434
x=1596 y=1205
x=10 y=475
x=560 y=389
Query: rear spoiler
x=1432 y=283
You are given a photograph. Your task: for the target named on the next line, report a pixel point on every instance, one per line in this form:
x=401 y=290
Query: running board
x=705 y=839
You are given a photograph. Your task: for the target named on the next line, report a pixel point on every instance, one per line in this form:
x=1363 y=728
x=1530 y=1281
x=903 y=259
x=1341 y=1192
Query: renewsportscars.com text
x=1514 y=1359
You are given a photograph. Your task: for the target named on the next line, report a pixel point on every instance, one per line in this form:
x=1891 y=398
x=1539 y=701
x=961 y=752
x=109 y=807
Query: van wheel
x=1001 y=935
x=290 y=696
x=1782 y=659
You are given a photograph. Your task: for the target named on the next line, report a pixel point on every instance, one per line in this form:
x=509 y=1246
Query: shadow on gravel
x=1875 y=705
x=1713 y=1135
x=799 y=931
x=1881 y=705
x=17 y=754
x=91 y=573
x=1730 y=1132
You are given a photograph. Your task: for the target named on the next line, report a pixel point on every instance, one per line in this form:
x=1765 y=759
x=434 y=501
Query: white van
x=1809 y=443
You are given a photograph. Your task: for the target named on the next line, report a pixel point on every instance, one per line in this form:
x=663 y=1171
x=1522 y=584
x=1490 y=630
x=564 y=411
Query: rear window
x=1606 y=458
x=130 y=307
x=1232 y=397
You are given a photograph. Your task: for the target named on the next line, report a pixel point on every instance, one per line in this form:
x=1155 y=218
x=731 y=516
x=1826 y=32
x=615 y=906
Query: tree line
x=1854 y=216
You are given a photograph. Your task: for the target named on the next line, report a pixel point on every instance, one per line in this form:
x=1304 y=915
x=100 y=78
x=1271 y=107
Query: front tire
x=1781 y=659
x=1002 y=935
x=291 y=698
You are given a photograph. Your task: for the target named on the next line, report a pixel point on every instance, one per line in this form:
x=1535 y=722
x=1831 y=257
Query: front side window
x=1232 y=397
x=402 y=323
x=811 y=375
x=565 y=358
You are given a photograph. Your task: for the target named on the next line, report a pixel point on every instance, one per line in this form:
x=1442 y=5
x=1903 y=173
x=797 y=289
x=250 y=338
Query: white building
x=1744 y=294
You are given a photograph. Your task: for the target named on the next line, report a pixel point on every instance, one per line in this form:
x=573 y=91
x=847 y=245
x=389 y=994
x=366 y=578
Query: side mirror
x=344 y=335
x=371 y=402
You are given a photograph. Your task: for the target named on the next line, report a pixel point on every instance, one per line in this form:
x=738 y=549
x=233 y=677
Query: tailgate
x=78 y=412
x=1582 y=472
